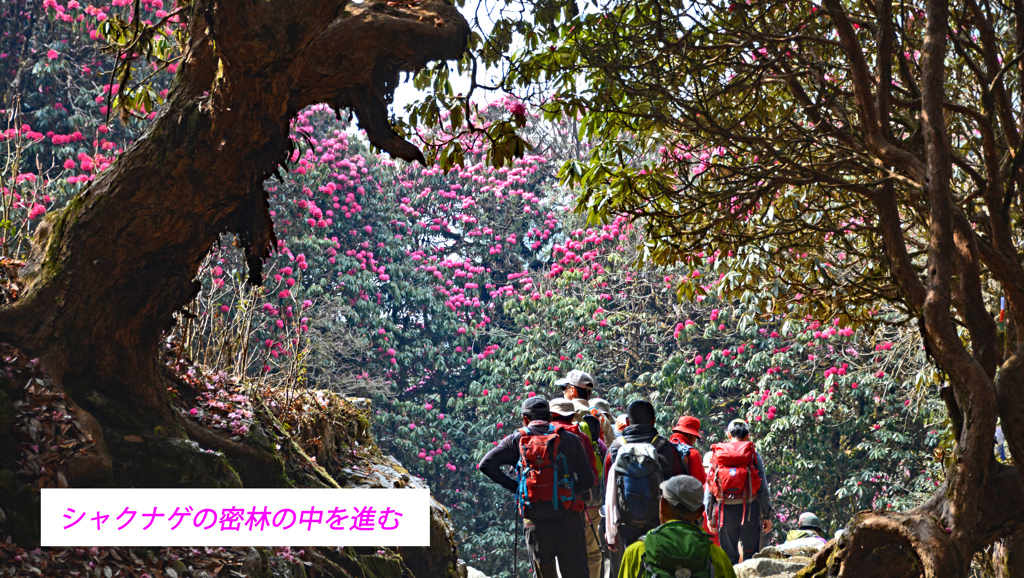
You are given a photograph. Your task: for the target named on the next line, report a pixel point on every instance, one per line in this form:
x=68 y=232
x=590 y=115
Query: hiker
x=685 y=435
x=679 y=541
x=637 y=463
x=736 y=494
x=602 y=410
x=810 y=527
x=554 y=525
x=577 y=387
x=563 y=413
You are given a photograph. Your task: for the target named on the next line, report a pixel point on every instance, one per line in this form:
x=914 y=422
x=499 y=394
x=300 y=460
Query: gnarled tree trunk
x=981 y=501
x=107 y=272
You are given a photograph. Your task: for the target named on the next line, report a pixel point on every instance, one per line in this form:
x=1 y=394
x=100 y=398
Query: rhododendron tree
x=842 y=419
x=564 y=295
x=410 y=260
x=649 y=341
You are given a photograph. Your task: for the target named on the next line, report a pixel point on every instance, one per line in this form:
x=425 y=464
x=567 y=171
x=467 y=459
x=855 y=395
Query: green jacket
x=632 y=566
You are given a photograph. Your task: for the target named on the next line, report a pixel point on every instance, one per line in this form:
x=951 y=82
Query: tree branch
x=391 y=41
x=886 y=152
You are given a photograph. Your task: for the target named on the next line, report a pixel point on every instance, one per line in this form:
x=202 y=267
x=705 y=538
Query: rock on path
x=770 y=568
x=782 y=561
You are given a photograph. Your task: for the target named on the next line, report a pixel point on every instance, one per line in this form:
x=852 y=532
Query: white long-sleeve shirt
x=611 y=508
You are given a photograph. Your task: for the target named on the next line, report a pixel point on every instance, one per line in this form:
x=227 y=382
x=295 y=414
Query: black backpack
x=684 y=453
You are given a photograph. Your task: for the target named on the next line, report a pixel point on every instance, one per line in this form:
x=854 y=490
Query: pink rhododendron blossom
x=37 y=211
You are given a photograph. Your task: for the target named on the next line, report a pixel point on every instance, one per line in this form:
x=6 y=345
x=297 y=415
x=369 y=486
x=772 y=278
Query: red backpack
x=588 y=447
x=733 y=474
x=543 y=473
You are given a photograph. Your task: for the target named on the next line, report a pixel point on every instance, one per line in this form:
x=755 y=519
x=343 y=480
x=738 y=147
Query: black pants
x=558 y=540
x=627 y=535
x=736 y=529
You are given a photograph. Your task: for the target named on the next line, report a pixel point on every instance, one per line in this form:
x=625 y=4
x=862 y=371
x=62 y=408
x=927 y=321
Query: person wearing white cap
x=563 y=412
x=577 y=385
x=678 y=547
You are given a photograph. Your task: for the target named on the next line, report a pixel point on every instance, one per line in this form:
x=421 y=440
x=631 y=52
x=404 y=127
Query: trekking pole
x=600 y=545
x=515 y=526
x=515 y=544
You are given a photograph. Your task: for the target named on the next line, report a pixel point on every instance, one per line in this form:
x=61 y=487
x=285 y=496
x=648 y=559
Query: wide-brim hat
x=688 y=425
x=601 y=405
x=562 y=406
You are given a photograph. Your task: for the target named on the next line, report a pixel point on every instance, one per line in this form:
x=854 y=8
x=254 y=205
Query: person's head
x=682 y=498
x=620 y=423
x=536 y=409
x=689 y=427
x=808 y=521
x=601 y=405
x=640 y=412
x=576 y=384
x=738 y=431
x=562 y=410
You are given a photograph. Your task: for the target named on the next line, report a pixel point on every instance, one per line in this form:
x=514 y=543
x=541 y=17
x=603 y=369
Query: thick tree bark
x=107 y=273
x=922 y=542
x=981 y=500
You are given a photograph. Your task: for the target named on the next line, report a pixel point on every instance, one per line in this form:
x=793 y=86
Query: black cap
x=535 y=404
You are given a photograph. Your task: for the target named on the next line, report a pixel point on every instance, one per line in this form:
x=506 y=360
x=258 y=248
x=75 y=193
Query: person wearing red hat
x=685 y=435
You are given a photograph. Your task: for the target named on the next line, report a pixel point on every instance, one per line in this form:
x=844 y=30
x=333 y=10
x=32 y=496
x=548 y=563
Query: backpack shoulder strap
x=659 y=444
